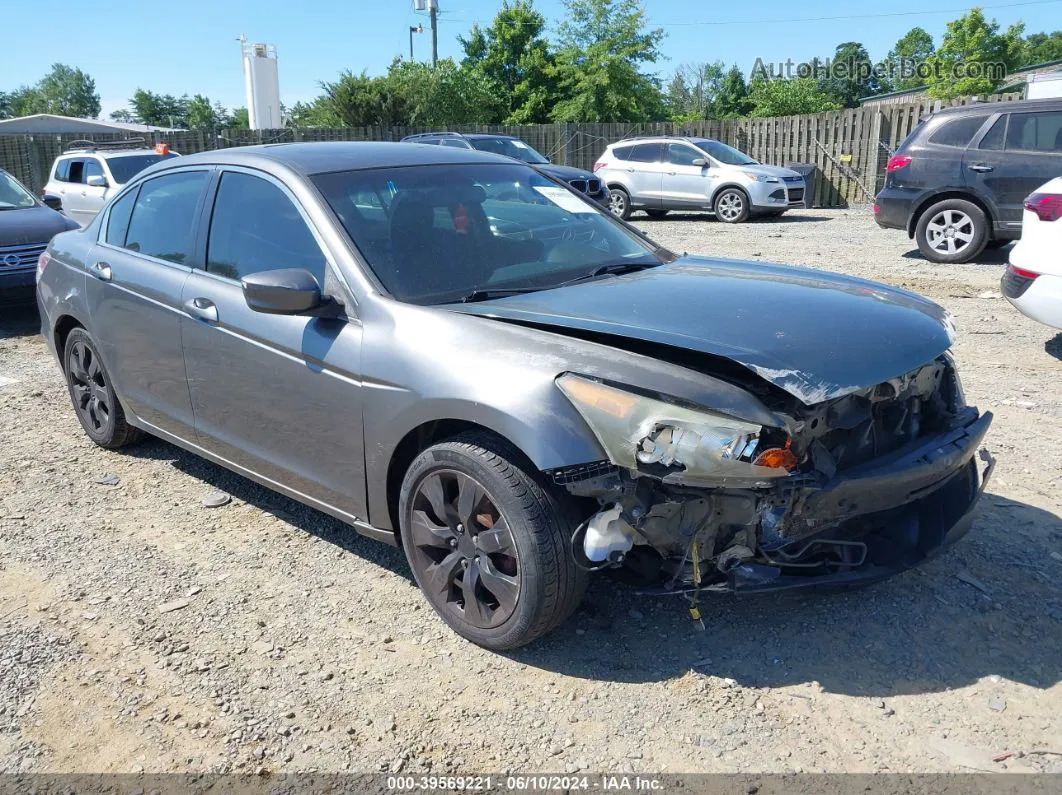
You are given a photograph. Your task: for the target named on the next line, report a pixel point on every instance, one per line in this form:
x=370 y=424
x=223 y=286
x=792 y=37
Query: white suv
x=658 y=174
x=88 y=173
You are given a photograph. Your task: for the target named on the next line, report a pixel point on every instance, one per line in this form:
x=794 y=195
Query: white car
x=88 y=173
x=1033 y=280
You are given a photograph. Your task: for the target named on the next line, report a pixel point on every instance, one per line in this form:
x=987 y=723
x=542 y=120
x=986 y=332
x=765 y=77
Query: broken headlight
x=638 y=431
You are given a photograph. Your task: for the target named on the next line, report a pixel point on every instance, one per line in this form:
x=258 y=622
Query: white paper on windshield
x=520 y=145
x=565 y=200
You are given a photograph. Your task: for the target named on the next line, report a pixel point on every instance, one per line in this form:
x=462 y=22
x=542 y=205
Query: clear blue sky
x=192 y=48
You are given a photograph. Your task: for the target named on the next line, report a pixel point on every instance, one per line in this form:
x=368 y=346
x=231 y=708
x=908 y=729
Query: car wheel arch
x=726 y=185
x=61 y=330
x=964 y=195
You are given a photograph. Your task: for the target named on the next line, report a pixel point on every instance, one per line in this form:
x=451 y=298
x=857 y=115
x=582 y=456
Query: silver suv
x=658 y=174
x=89 y=173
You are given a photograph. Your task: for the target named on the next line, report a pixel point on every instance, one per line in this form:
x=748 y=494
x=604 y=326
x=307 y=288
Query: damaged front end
x=851 y=489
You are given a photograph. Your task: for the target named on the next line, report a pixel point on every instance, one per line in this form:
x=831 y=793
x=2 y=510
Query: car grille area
x=588 y=186
x=20 y=257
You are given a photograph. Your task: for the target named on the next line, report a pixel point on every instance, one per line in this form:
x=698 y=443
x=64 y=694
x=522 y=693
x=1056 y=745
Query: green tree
x=974 y=56
x=916 y=47
x=514 y=55
x=1042 y=47
x=781 y=97
x=159 y=110
x=201 y=114
x=25 y=101
x=603 y=44
x=733 y=100
x=67 y=91
x=240 y=119
x=707 y=91
x=851 y=76
x=123 y=116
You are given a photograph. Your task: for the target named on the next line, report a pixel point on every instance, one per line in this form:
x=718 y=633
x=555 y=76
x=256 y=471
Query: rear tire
x=952 y=231
x=95 y=403
x=732 y=206
x=656 y=214
x=488 y=541
x=619 y=203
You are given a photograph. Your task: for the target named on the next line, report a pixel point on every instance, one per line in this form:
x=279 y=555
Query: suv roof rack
x=661 y=135
x=434 y=134
x=85 y=145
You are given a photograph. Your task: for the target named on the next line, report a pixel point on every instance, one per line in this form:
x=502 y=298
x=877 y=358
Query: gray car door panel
x=683 y=184
x=134 y=297
x=644 y=174
x=279 y=395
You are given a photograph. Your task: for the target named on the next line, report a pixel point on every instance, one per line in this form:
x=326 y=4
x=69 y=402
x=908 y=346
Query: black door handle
x=981 y=168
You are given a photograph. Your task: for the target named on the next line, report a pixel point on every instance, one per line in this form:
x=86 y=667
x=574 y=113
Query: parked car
x=582 y=181
x=957 y=182
x=513 y=390
x=663 y=173
x=88 y=173
x=1033 y=280
x=26 y=226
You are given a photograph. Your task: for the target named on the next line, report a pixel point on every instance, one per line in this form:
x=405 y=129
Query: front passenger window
x=163 y=220
x=679 y=155
x=255 y=227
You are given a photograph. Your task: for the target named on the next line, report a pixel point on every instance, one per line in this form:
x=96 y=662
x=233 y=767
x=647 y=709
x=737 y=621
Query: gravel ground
x=140 y=630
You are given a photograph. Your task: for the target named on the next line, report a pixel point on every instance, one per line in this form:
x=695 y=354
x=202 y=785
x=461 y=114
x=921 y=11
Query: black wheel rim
x=463 y=550
x=88 y=387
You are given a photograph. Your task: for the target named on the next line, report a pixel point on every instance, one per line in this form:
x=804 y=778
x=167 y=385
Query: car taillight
x=1047 y=206
x=877 y=208
x=42 y=263
x=600 y=164
x=1022 y=272
x=896 y=162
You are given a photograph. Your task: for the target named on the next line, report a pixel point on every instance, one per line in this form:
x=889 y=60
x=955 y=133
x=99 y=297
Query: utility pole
x=433 y=10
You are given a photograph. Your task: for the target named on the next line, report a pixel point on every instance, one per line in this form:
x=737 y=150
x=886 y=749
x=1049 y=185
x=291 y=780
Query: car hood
x=32 y=225
x=816 y=335
x=564 y=172
x=770 y=171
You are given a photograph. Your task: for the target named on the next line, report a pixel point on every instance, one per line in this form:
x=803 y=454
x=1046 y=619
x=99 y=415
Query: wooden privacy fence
x=849 y=148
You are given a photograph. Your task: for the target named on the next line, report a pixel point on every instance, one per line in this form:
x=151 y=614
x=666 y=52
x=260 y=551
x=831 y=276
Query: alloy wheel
x=617 y=204
x=463 y=550
x=730 y=206
x=950 y=231
x=88 y=386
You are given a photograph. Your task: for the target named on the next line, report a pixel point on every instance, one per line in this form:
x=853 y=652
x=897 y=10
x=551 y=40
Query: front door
x=685 y=184
x=1014 y=157
x=137 y=271
x=278 y=395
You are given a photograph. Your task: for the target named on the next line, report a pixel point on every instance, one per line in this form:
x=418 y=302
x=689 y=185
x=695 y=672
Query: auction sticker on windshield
x=564 y=199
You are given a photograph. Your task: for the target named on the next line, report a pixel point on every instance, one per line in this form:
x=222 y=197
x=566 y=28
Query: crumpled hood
x=32 y=225
x=564 y=172
x=816 y=335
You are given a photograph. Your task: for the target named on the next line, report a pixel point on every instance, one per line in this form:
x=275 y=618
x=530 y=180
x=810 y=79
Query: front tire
x=952 y=231
x=488 y=541
x=732 y=206
x=95 y=403
x=619 y=203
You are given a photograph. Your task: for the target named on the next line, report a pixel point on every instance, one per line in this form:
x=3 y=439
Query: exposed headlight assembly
x=637 y=431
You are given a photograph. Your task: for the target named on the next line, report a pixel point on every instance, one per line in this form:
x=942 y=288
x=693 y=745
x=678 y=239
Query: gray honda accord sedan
x=455 y=353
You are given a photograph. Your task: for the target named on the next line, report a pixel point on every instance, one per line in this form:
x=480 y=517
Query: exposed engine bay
x=864 y=484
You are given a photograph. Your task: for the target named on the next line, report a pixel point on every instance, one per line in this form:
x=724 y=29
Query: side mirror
x=53 y=201
x=288 y=291
x=700 y=161
x=96 y=181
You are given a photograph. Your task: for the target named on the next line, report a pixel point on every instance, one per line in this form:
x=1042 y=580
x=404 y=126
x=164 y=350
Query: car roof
x=657 y=139
x=327 y=156
x=1016 y=106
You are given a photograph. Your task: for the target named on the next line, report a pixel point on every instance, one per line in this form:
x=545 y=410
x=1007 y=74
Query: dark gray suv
x=459 y=355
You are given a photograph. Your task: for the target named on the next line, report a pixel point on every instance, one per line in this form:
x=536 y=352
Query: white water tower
x=262 y=85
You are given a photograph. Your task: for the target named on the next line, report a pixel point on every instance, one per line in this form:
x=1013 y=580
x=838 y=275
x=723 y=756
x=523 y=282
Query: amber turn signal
x=777 y=458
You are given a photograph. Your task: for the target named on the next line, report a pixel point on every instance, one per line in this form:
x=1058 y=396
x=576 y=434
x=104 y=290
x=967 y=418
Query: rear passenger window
x=993 y=139
x=256 y=227
x=76 y=171
x=646 y=153
x=118 y=219
x=1035 y=132
x=163 y=218
x=958 y=132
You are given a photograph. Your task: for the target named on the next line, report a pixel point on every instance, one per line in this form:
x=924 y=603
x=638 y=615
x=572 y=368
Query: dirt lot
x=298 y=645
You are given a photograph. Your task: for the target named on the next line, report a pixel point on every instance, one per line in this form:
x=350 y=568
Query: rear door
x=645 y=173
x=684 y=184
x=1014 y=157
x=78 y=197
x=279 y=395
x=136 y=272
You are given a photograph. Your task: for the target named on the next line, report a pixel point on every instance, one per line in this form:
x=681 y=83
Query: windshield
x=125 y=167
x=727 y=155
x=12 y=195
x=437 y=234
x=510 y=147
